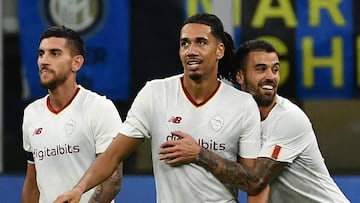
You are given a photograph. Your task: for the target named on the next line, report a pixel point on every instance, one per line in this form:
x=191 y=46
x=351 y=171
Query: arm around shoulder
x=249 y=175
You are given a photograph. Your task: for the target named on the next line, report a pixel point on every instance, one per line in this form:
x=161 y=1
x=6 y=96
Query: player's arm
x=103 y=166
x=264 y=195
x=108 y=189
x=30 y=191
x=252 y=179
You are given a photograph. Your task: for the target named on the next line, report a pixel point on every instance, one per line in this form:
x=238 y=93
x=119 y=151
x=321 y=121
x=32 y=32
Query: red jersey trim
x=188 y=96
x=56 y=112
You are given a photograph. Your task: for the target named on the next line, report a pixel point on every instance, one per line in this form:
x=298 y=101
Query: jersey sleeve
x=137 y=122
x=105 y=123
x=287 y=137
x=26 y=131
x=249 y=143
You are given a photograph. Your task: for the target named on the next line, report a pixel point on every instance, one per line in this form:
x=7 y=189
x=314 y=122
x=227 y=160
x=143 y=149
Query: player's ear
x=240 y=76
x=77 y=62
x=220 y=51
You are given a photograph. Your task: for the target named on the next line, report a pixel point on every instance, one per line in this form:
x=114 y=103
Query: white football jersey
x=288 y=136
x=228 y=123
x=65 y=143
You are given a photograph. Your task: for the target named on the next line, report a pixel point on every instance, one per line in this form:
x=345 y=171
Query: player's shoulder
x=286 y=104
x=290 y=110
x=89 y=93
x=166 y=80
x=37 y=103
x=158 y=84
x=233 y=91
x=89 y=97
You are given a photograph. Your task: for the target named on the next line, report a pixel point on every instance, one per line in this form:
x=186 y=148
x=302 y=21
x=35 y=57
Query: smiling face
x=260 y=77
x=199 y=51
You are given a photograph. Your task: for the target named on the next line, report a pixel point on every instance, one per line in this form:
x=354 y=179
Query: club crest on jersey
x=69 y=127
x=217 y=122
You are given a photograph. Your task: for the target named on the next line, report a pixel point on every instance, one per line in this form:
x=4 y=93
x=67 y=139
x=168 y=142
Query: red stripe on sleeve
x=276 y=152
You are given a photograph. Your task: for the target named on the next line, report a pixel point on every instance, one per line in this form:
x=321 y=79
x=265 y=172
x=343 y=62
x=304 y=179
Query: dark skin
x=261 y=66
x=182 y=151
x=199 y=52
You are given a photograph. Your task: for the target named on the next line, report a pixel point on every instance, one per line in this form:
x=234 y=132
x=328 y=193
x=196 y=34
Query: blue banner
x=104 y=26
x=325 y=49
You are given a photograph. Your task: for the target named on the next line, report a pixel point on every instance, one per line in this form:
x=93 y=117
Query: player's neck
x=200 y=91
x=62 y=95
x=265 y=110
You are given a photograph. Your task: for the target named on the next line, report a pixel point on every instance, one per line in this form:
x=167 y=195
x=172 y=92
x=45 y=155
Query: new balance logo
x=175 y=119
x=38 y=131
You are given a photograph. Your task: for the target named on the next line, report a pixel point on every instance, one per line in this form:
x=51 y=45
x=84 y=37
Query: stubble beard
x=53 y=83
x=195 y=76
x=262 y=100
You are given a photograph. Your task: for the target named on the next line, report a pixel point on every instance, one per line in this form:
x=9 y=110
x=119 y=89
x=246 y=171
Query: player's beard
x=195 y=76
x=263 y=100
x=57 y=80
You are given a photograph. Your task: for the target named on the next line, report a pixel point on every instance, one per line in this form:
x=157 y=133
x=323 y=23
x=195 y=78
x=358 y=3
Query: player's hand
x=72 y=196
x=182 y=151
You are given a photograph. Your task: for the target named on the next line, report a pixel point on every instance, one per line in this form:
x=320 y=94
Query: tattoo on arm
x=249 y=179
x=108 y=189
x=226 y=171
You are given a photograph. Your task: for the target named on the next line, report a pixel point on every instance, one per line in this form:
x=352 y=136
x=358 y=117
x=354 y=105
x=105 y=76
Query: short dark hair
x=211 y=20
x=217 y=30
x=72 y=37
x=242 y=53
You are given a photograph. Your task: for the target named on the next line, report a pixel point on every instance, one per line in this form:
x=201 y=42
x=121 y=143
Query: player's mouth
x=267 y=87
x=45 y=71
x=192 y=63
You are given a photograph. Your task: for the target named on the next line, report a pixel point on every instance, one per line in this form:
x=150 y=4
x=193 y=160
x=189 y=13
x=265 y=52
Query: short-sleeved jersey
x=288 y=136
x=65 y=143
x=227 y=124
